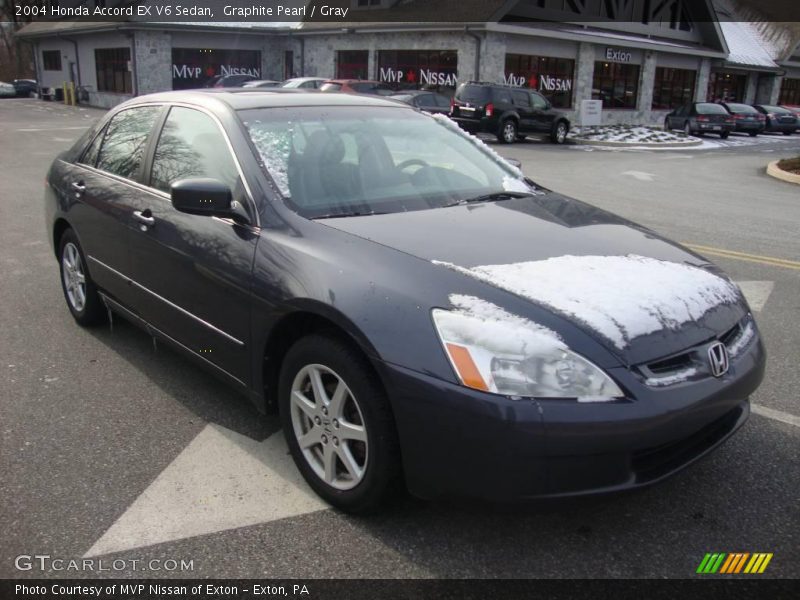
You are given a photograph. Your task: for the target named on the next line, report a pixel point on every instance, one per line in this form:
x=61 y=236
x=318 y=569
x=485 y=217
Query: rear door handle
x=78 y=187
x=144 y=217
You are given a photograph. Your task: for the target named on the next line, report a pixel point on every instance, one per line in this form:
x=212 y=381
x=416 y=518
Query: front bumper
x=461 y=442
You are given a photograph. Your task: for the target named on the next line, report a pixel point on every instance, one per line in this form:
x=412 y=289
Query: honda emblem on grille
x=718 y=359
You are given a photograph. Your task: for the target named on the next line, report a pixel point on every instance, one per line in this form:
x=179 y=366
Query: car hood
x=641 y=296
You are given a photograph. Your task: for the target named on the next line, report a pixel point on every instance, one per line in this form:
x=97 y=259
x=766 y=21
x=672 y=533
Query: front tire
x=79 y=290
x=724 y=135
x=508 y=132
x=753 y=133
x=687 y=128
x=559 y=134
x=338 y=424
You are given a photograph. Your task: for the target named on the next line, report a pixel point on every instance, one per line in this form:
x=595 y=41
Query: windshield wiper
x=493 y=197
x=346 y=214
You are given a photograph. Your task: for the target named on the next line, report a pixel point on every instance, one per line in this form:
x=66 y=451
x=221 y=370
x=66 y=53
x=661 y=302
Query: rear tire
x=724 y=135
x=508 y=132
x=79 y=290
x=350 y=455
x=666 y=125
x=752 y=133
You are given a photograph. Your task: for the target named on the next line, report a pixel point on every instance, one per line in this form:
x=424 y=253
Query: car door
x=194 y=271
x=524 y=108
x=543 y=117
x=106 y=180
x=676 y=118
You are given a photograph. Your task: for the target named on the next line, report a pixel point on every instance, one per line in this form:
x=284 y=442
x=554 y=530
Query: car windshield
x=356 y=160
x=711 y=109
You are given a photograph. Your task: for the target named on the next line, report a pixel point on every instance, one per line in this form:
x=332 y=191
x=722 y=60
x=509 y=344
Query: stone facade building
x=641 y=66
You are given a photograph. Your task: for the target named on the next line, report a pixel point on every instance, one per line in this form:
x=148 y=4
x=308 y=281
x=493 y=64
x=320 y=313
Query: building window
x=673 y=88
x=113 y=70
x=616 y=84
x=790 y=92
x=726 y=87
x=552 y=77
x=352 y=64
x=51 y=60
x=419 y=69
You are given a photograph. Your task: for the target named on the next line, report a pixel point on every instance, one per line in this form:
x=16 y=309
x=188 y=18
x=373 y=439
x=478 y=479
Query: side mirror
x=207 y=198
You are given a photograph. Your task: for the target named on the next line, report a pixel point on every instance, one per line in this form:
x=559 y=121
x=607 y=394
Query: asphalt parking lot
x=112 y=448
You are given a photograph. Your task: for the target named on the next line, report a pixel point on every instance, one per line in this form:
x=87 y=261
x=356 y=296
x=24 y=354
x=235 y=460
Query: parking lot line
x=775 y=415
x=756 y=258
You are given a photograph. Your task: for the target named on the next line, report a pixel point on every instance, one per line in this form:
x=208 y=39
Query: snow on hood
x=619 y=297
x=478 y=322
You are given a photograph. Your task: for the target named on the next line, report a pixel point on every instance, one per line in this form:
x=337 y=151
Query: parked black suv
x=510 y=113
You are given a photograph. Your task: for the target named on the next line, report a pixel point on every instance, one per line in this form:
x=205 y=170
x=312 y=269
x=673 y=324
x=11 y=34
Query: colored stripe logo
x=734 y=563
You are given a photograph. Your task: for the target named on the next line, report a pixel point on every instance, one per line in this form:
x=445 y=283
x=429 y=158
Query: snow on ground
x=620 y=297
x=628 y=134
x=708 y=143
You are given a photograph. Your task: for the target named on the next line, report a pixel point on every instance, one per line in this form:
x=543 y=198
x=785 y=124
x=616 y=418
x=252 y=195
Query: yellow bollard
x=64 y=91
x=72 y=93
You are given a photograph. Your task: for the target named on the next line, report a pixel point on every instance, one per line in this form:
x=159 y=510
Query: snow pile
x=476 y=322
x=629 y=134
x=620 y=297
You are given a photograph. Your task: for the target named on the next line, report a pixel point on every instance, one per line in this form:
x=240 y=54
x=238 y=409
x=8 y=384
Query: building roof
x=745 y=47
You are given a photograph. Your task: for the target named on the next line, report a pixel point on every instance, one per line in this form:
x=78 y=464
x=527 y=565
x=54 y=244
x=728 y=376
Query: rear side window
x=125 y=141
x=521 y=98
x=538 y=101
x=90 y=155
x=191 y=145
x=474 y=94
x=502 y=96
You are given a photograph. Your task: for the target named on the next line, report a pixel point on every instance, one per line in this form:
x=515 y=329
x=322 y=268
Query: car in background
x=261 y=83
x=328 y=248
x=778 y=119
x=746 y=118
x=356 y=86
x=424 y=100
x=304 y=83
x=26 y=87
x=227 y=81
x=7 y=90
x=510 y=113
x=795 y=110
x=698 y=118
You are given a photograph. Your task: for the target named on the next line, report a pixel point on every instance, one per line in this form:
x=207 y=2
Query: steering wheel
x=412 y=162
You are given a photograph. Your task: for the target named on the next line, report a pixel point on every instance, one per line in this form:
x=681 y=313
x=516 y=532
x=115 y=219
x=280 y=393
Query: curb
x=774 y=171
x=690 y=144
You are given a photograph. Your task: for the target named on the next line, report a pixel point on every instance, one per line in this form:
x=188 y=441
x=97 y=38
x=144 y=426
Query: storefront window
x=113 y=70
x=553 y=77
x=352 y=64
x=726 y=87
x=198 y=67
x=51 y=60
x=790 y=92
x=419 y=69
x=616 y=84
x=673 y=88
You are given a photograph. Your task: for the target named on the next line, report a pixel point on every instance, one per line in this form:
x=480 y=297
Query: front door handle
x=78 y=187
x=144 y=217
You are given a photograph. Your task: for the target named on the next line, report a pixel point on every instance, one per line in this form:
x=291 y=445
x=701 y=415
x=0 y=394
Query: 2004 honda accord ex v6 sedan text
x=417 y=310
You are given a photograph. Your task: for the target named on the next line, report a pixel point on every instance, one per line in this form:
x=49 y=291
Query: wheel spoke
x=320 y=396
x=350 y=431
x=304 y=404
x=329 y=462
x=346 y=457
x=338 y=399
x=79 y=277
x=310 y=438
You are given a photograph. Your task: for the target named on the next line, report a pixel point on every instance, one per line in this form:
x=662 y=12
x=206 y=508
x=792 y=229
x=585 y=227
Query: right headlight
x=495 y=351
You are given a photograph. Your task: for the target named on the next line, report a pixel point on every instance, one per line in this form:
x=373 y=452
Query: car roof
x=247 y=98
x=349 y=81
x=308 y=79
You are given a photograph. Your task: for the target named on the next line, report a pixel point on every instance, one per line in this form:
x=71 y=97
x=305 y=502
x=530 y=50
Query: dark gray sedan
x=699 y=118
x=419 y=312
x=778 y=119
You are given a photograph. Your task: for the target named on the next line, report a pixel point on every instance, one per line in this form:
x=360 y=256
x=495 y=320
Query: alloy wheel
x=329 y=427
x=509 y=132
x=561 y=133
x=687 y=129
x=74 y=276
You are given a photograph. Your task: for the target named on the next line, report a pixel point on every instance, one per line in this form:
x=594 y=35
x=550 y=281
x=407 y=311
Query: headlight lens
x=495 y=351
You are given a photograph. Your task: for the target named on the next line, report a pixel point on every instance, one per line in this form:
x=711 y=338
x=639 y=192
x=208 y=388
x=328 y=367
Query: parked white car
x=7 y=90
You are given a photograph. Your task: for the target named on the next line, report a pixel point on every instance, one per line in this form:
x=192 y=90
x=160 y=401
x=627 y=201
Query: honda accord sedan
x=419 y=312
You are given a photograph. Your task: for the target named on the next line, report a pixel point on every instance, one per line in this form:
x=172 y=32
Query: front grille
x=729 y=336
x=671 y=365
x=652 y=463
